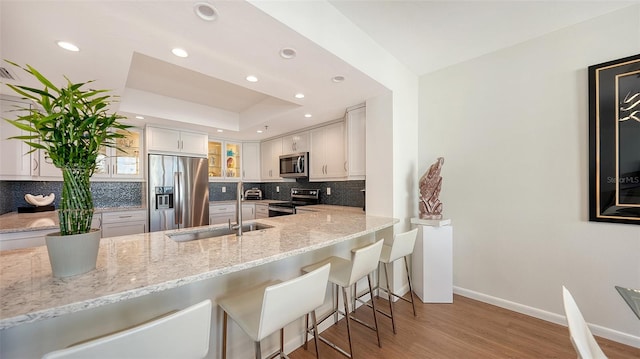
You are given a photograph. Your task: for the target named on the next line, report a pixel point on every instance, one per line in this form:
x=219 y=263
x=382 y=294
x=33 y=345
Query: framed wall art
x=614 y=141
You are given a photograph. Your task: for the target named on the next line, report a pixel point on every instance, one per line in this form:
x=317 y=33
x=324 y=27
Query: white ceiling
x=125 y=46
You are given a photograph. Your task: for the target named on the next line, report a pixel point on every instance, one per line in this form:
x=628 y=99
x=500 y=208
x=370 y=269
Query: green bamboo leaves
x=70 y=124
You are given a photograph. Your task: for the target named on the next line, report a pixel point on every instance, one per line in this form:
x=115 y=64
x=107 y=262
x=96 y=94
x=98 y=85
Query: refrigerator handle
x=178 y=199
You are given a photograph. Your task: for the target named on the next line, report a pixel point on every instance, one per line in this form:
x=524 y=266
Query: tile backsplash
x=132 y=194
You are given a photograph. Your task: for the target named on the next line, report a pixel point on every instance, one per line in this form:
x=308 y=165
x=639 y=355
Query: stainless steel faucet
x=238 y=225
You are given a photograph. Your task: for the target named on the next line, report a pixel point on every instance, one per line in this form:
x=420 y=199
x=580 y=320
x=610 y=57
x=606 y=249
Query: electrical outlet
x=277 y=188
x=328 y=191
x=224 y=189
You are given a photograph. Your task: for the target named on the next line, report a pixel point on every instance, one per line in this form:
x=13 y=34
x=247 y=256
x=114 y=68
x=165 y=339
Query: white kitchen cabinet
x=298 y=142
x=166 y=140
x=222 y=213
x=251 y=161
x=123 y=223
x=248 y=211
x=124 y=160
x=262 y=210
x=14 y=161
x=270 y=153
x=327 y=152
x=225 y=160
x=356 y=145
x=44 y=167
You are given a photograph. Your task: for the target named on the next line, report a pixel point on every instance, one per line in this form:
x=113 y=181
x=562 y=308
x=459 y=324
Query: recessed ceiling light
x=180 y=52
x=299 y=95
x=219 y=130
x=307 y=115
x=140 y=117
x=337 y=78
x=205 y=11
x=287 y=53
x=68 y=46
x=252 y=78
x=259 y=131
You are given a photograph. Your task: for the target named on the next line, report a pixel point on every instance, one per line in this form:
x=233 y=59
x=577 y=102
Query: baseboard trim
x=598 y=330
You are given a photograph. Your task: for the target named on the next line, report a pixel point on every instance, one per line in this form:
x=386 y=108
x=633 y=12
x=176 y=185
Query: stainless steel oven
x=299 y=197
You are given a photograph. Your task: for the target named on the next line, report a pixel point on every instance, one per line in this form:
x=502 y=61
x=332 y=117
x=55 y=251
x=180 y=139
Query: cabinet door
x=336 y=167
x=270 y=153
x=215 y=159
x=298 y=142
x=262 y=211
x=233 y=160
x=317 y=160
x=162 y=139
x=356 y=143
x=194 y=143
x=123 y=229
x=14 y=160
x=46 y=168
x=251 y=161
x=126 y=159
x=248 y=211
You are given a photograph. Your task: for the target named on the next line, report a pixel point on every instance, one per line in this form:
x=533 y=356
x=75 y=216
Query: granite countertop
x=135 y=265
x=21 y=222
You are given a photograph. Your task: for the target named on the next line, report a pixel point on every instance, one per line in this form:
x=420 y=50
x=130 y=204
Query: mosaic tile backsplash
x=132 y=194
x=105 y=194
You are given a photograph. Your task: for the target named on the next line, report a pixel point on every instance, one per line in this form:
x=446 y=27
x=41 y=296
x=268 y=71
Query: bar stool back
x=182 y=334
x=262 y=310
x=402 y=246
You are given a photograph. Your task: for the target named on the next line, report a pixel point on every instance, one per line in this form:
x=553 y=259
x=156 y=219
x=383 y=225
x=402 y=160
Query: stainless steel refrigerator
x=178 y=192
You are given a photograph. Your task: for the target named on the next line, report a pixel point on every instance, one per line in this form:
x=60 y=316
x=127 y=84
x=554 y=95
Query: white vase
x=73 y=254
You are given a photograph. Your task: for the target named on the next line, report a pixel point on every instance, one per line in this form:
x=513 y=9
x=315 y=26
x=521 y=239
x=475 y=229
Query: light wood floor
x=465 y=329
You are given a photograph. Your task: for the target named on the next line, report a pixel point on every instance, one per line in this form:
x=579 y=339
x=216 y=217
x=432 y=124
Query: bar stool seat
x=181 y=334
x=345 y=273
x=262 y=310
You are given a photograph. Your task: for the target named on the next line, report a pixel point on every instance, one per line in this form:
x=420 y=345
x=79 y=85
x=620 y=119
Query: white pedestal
x=432 y=261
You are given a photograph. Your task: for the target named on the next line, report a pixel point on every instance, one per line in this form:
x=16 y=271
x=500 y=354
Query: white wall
x=513 y=129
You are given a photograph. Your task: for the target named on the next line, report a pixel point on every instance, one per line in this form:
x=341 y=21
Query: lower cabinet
x=123 y=223
x=17 y=240
x=222 y=213
x=262 y=210
x=248 y=211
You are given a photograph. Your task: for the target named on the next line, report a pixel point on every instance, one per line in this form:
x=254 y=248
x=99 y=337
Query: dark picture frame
x=614 y=141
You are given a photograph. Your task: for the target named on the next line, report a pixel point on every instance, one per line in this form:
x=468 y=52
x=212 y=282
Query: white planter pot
x=73 y=254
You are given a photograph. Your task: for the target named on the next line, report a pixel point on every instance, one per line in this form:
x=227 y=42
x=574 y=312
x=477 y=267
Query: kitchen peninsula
x=144 y=275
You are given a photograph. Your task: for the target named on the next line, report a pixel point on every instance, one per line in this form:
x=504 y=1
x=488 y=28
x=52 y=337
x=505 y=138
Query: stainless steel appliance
x=295 y=165
x=178 y=192
x=253 y=194
x=299 y=197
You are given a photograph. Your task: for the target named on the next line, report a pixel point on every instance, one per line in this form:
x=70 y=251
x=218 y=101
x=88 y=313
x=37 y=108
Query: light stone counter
x=332 y=208
x=132 y=266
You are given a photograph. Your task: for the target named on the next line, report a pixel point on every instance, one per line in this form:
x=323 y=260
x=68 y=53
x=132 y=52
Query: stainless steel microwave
x=294 y=165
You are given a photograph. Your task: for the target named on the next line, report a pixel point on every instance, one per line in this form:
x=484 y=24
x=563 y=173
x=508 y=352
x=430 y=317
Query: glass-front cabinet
x=224 y=160
x=124 y=160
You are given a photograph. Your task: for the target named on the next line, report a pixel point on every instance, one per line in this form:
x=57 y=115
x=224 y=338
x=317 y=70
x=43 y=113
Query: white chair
x=581 y=337
x=262 y=310
x=345 y=273
x=182 y=334
x=401 y=247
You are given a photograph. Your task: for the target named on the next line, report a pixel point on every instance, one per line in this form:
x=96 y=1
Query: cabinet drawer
x=222 y=208
x=124 y=216
x=262 y=209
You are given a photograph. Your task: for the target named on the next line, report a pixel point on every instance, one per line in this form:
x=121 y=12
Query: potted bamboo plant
x=70 y=124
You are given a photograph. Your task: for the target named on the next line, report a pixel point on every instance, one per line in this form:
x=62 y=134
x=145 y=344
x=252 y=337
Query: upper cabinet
x=165 y=140
x=270 y=152
x=327 y=153
x=356 y=143
x=14 y=161
x=225 y=160
x=251 y=161
x=298 y=142
x=124 y=160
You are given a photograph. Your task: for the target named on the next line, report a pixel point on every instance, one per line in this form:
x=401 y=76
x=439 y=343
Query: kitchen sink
x=216 y=232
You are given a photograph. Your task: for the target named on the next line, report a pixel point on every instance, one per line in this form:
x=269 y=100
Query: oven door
x=275 y=211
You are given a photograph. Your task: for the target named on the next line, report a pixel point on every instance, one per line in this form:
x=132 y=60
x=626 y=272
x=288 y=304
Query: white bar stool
x=262 y=310
x=402 y=246
x=583 y=341
x=182 y=334
x=345 y=273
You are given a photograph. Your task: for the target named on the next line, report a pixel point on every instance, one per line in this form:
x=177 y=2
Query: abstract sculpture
x=430 y=184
